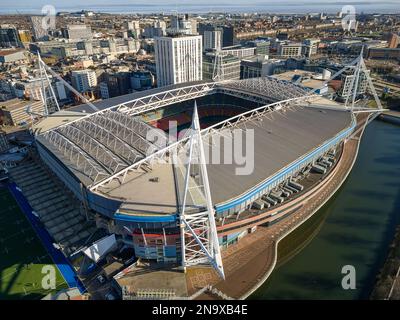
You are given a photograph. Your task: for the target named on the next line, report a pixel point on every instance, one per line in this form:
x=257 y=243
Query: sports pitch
x=22 y=255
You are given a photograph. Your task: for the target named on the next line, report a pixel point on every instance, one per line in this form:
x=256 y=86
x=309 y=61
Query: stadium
x=115 y=157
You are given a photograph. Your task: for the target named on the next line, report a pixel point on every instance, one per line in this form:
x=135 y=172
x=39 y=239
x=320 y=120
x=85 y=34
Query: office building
x=262 y=46
x=141 y=80
x=239 y=51
x=84 y=80
x=346 y=90
x=393 y=40
x=4 y=146
x=178 y=59
x=213 y=40
x=217 y=67
x=289 y=49
x=114 y=84
x=9 y=37
x=87 y=47
x=183 y=25
x=77 y=32
x=39 y=33
x=12 y=56
x=152 y=32
x=228 y=36
x=384 y=53
x=310 y=47
x=61 y=91
x=25 y=36
x=260 y=66
x=134 y=29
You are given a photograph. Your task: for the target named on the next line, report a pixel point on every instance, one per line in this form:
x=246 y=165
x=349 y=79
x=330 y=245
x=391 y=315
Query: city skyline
x=141 y=6
x=146 y=154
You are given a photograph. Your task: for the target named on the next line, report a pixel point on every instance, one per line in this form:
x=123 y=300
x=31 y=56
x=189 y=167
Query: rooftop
x=305 y=78
x=279 y=140
x=9 y=51
x=15 y=104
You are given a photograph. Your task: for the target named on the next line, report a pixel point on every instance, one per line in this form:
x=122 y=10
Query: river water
x=354 y=228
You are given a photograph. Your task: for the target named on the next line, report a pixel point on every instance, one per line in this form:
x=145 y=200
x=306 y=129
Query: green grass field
x=22 y=255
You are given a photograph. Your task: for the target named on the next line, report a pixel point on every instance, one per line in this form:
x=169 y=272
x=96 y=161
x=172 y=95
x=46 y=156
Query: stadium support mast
x=43 y=68
x=218 y=69
x=45 y=78
x=199 y=237
x=360 y=70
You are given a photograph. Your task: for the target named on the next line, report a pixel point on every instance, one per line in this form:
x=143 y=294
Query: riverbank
x=391 y=116
x=387 y=285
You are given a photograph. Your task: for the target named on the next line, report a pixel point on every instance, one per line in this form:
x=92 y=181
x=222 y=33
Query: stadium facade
x=110 y=158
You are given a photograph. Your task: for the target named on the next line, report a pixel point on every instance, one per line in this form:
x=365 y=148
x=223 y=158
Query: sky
x=21 y=3
x=69 y=5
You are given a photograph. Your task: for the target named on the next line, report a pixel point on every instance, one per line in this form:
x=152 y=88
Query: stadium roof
x=107 y=103
x=111 y=151
x=278 y=141
x=281 y=137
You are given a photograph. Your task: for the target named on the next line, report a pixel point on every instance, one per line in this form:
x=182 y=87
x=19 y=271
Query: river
x=354 y=228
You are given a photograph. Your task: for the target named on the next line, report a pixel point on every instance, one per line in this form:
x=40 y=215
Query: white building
x=346 y=90
x=84 y=80
x=310 y=47
x=134 y=27
x=12 y=56
x=213 y=40
x=290 y=49
x=239 y=52
x=78 y=31
x=183 y=25
x=39 y=32
x=178 y=59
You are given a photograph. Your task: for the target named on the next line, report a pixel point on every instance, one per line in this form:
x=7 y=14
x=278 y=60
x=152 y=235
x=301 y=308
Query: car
x=101 y=279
